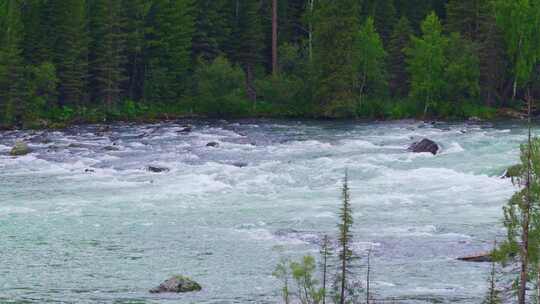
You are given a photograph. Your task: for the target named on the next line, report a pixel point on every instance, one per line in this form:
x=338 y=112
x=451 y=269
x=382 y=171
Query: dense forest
x=64 y=61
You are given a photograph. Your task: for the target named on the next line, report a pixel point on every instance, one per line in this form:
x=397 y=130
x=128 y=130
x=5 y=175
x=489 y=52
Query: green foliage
x=12 y=82
x=220 y=90
x=336 y=25
x=370 y=61
x=170 y=60
x=462 y=72
x=426 y=62
x=42 y=86
x=70 y=51
x=307 y=286
x=282 y=273
x=519 y=20
x=345 y=253
x=336 y=58
x=399 y=42
x=522 y=206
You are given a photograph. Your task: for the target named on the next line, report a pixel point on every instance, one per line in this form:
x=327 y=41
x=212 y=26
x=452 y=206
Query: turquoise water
x=226 y=215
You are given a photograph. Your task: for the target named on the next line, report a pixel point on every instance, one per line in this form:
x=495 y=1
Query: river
x=83 y=221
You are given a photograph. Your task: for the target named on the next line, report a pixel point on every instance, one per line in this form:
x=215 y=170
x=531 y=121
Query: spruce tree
x=213 y=28
x=345 y=254
x=248 y=40
x=12 y=81
x=108 y=51
x=384 y=15
x=136 y=13
x=336 y=26
x=70 y=52
x=400 y=40
x=475 y=21
x=169 y=59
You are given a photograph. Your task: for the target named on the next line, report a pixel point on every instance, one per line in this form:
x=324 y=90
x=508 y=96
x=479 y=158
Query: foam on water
x=270 y=189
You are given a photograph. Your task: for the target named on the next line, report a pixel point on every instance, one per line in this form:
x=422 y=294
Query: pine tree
x=169 y=58
x=345 y=254
x=475 y=21
x=213 y=23
x=336 y=25
x=108 y=51
x=399 y=78
x=249 y=40
x=136 y=13
x=12 y=82
x=70 y=52
x=414 y=10
x=384 y=15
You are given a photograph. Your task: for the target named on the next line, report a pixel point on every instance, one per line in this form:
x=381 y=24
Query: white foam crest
x=356 y=144
x=7 y=210
x=454 y=148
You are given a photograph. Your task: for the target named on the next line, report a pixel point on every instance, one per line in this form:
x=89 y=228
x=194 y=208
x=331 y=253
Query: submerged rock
x=240 y=164
x=177 y=284
x=186 y=129
x=479 y=258
x=111 y=148
x=425 y=145
x=157 y=169
x=41 y=139
x=20 y=148
x=213 y=144
x=475 y=119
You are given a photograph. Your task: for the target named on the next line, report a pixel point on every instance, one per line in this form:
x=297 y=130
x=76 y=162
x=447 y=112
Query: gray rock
x=111 y=148
x=186 y=129
x=20 y=148
x=213 y=144
x=177 y=284
x=425 y=145
x=157 y=169
x=240 y=164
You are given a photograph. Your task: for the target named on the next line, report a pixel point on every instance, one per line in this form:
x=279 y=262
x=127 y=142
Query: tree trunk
x=526 y=217
x=274 y=37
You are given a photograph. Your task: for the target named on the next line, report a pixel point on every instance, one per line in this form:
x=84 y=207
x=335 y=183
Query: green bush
x=220 y=89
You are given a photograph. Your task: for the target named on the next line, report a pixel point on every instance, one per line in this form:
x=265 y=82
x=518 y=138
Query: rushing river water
x=83 y=221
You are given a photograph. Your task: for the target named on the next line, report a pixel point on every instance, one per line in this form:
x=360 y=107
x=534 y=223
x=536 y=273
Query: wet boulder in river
x=157 y=169
x=177 y=284
x=111 y=148
x=20 y=148
x=213 y=144
x=186 y=129
x=425 y=145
